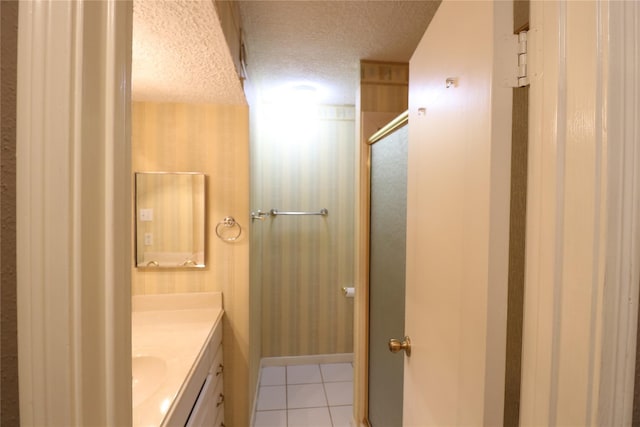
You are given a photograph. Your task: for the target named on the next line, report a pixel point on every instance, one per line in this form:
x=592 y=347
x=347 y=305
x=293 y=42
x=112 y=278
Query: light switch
x=148 y=239
x=146 y=214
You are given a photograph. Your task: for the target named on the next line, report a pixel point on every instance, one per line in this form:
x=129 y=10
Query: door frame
x=623 y=243
x=582 y=211
x=73 y=204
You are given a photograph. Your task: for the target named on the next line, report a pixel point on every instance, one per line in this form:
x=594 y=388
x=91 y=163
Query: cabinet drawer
x=196 y=401
x=203 y=412
x=209 y=405
x=218 y=399
x=220 y=420
x=208 y=409
x=217 y=366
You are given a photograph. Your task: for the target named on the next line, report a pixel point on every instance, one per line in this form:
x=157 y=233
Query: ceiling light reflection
x=296 y=93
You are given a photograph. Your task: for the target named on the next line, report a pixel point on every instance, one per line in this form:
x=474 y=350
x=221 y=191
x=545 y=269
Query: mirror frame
x=189 y=263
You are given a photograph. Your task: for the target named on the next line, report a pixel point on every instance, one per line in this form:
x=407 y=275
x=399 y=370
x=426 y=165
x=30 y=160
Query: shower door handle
x=397 y=345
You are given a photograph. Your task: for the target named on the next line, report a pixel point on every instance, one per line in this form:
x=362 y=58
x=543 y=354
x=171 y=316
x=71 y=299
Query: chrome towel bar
x=322 y=212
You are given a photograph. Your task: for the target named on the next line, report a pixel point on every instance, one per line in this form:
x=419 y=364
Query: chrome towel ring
x=224 y=229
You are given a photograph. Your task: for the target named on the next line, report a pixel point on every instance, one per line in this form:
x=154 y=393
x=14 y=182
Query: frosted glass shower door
x=387 y=276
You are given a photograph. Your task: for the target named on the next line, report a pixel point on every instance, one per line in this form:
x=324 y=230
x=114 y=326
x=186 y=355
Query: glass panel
x=387 y=276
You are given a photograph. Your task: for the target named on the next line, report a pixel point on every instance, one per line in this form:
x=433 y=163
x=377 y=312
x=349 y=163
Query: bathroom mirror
x=170 y=220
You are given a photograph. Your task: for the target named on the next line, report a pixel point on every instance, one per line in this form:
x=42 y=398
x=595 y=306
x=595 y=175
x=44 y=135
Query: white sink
x=148 y=374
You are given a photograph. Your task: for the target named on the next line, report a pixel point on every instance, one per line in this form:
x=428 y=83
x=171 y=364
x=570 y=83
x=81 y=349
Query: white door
x=458 y=217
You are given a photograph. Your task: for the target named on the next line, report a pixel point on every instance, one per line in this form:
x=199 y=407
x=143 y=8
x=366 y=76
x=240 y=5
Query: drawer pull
x=220 y=400
x=220 y=369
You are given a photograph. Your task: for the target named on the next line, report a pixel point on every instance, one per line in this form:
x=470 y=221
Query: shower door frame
x=361 y=321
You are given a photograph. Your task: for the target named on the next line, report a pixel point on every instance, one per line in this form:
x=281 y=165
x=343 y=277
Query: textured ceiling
x=322 y=42
x=179 y=52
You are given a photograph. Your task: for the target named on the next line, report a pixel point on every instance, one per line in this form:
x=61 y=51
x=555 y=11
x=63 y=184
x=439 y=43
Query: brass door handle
x=397 y=345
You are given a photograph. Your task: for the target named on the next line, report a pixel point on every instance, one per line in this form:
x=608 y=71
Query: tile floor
x=314 y=395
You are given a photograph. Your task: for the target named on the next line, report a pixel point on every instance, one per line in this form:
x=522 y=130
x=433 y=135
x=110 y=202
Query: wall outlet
x=148 y=239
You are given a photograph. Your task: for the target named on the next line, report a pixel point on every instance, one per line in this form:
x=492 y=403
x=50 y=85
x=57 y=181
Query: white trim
x=76 y=299
x=538 y=300
x=73 y=172
x=42 y=167
x=622 y=275
x=567 y=213
x=560 y=142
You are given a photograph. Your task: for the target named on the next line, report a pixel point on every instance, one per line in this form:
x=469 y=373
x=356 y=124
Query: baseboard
x=307 y=359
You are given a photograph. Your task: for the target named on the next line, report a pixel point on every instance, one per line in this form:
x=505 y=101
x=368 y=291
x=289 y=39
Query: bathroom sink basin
x=148 y=374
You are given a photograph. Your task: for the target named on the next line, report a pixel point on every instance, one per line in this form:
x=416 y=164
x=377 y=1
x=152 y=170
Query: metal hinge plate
x=522 y=74
x=519 y=76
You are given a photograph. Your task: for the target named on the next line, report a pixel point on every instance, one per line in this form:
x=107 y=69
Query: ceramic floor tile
x=305 y=396
x=273 y=375
x=337 y=372
x=303 y=374
x=341 y=416
x=339 y=393
x=310 y=417
x=272 y=397
x=270 y=419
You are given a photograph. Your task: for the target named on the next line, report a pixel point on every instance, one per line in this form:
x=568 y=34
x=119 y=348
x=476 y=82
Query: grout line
x=286 y=396
x=326 y=396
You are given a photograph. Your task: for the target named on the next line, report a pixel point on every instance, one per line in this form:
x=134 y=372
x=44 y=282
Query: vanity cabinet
x=201 y=402
x=209 y=407
x=176 y=366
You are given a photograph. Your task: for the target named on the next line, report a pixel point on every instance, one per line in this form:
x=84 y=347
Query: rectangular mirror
x=170 y=220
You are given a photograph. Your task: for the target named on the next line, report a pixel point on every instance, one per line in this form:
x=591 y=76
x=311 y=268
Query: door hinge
x=521 y=74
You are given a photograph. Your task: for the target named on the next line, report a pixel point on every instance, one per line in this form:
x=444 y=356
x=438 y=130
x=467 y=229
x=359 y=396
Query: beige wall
x=9 y=408
x=212 y=139
x=305 y=163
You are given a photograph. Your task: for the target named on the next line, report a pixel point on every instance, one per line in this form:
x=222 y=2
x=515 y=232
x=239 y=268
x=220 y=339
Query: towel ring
x=228 y=223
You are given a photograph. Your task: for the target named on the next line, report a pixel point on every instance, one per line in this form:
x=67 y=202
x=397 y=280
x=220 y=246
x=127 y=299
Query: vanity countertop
x=168 y=333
